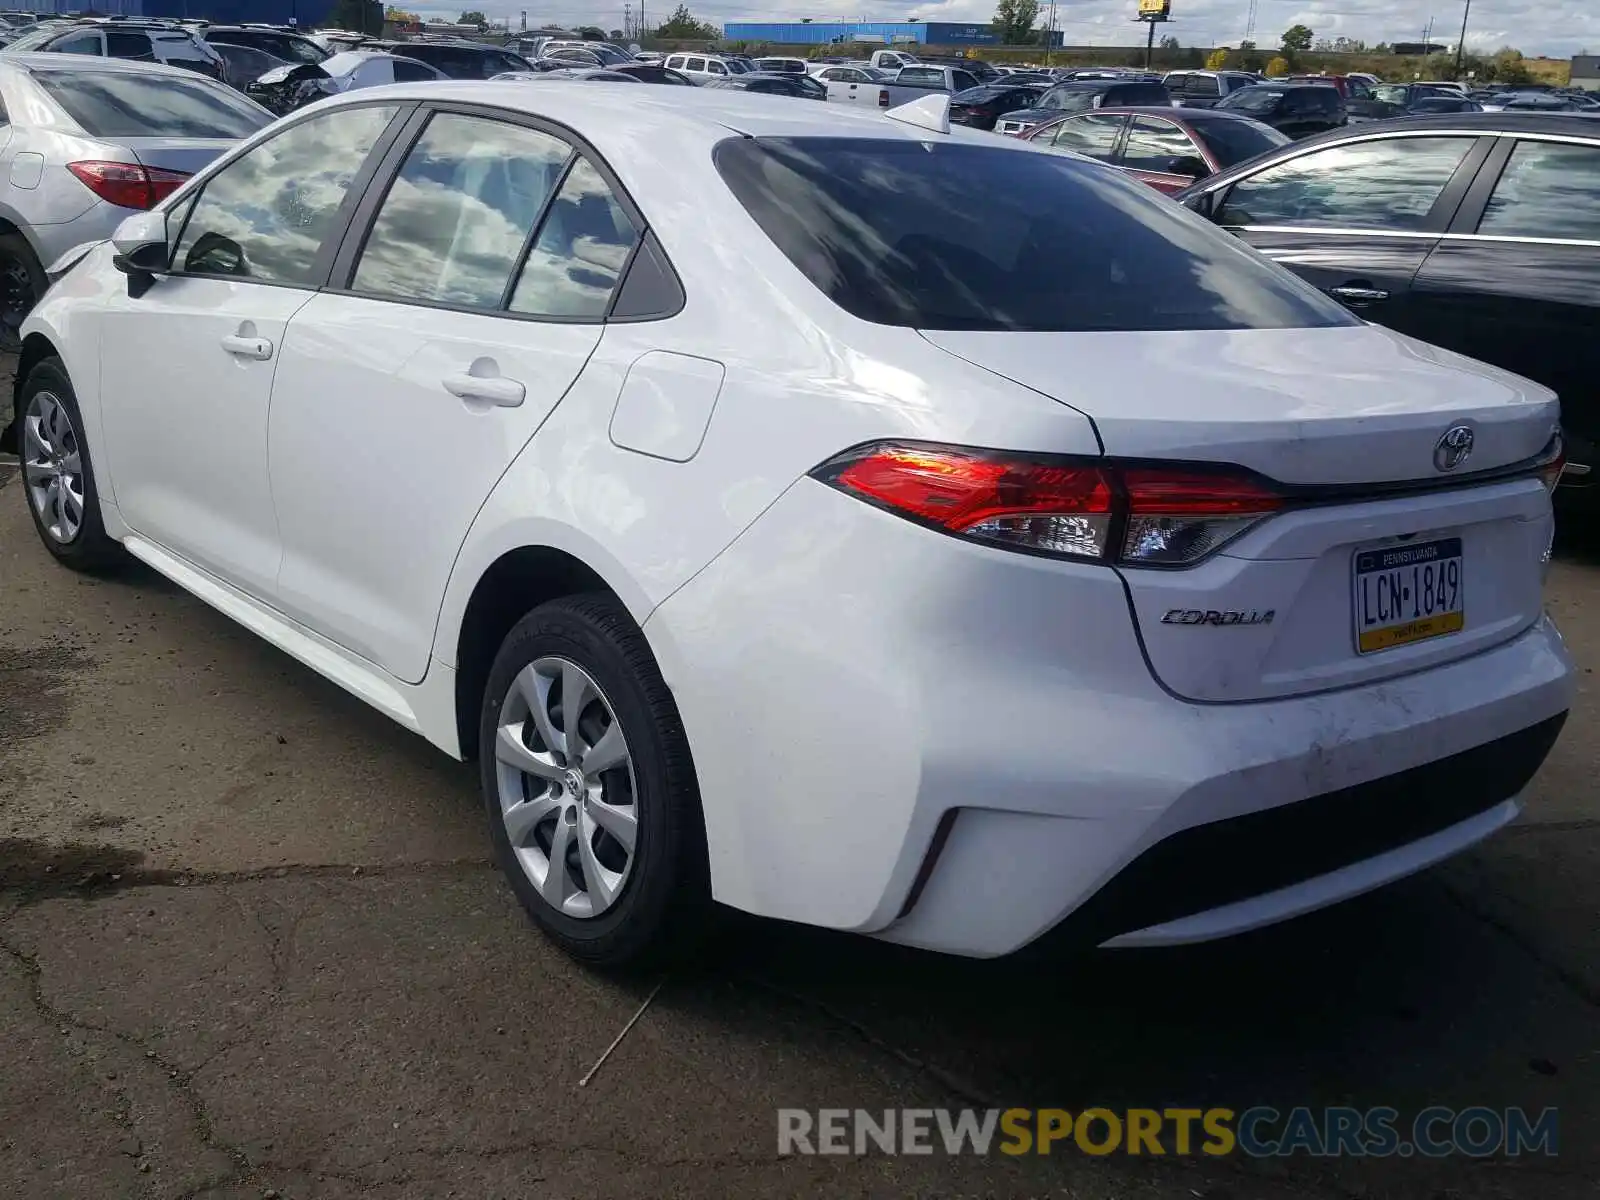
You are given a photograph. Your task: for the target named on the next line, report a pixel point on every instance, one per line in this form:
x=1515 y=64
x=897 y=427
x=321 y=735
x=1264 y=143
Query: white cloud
x=1560 y=29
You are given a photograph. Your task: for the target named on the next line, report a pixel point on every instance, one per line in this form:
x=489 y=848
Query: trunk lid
x=176 y=154
x=1345 y=588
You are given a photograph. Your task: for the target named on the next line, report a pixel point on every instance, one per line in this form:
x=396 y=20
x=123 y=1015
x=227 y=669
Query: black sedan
x=802 y=86
x=980 y=107
x=1479 y=232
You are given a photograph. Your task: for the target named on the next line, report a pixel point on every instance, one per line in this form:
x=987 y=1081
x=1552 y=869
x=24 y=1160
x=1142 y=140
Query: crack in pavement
x=176 y=1079
x=1565 y=976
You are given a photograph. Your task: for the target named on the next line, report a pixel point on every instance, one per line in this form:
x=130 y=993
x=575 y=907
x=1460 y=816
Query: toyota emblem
x=1453 y=448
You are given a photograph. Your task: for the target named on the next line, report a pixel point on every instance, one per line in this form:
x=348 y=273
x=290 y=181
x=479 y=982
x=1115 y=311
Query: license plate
x=1406 y=594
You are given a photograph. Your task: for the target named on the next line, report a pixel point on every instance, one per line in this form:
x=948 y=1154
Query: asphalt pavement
x=251 y=945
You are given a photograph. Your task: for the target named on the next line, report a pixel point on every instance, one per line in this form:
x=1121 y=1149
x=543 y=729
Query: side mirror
x=141 y=249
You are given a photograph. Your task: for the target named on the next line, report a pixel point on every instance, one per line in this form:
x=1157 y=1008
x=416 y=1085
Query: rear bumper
x=959 y=748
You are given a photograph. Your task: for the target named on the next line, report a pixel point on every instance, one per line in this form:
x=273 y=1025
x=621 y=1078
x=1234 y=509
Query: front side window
x=453 y=225
x=957 y=235
x=114 y=104
x=265 y=215
x=1547 y=190
x=1094 y=135
x=697 y=64
x=1157 y=145
x=580 y=252
x=1201 y=85
x=1387 y=184
x=1253 y=99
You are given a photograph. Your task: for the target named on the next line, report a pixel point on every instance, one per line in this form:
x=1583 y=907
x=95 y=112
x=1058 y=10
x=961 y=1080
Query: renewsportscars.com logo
x=1259 y=1132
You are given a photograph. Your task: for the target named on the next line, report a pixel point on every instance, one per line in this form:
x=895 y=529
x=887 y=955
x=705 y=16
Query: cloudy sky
x=1561 y=28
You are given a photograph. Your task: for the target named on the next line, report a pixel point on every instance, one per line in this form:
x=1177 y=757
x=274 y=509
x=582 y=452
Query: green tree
x=1247 y=44
x=1170 y=43
x=472 y=18
x=1509 y=67
x=1297 y=37
x=683 y=25
x=1013 y=21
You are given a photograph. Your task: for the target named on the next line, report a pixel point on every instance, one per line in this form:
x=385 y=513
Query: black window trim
x=322 y=265
x=352 y=238
x=1434 y=224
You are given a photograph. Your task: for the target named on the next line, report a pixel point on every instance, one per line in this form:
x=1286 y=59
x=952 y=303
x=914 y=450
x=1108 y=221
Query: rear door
x=467 y=297
x=1516 y=281
x=1356 y=218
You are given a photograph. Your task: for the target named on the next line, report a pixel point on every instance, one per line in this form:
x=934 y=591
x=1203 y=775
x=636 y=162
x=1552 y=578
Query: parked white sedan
x=853 y=521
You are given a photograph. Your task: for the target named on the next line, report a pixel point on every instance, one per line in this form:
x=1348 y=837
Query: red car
x=1168 y=148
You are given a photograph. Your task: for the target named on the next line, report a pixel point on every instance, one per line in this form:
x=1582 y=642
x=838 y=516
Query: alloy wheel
x=17 y=298
x=52 y=466
x=566 y=786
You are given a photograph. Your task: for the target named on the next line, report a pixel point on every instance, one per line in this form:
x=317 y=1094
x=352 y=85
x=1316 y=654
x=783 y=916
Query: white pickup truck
x=907 y=84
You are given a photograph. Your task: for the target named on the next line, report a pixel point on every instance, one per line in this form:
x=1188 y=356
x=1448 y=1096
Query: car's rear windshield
x=1233 y=141
x=952 y=235
x=113 y=104
x=1252 y=99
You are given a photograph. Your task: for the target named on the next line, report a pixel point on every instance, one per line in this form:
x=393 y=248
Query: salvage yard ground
x=251 y=945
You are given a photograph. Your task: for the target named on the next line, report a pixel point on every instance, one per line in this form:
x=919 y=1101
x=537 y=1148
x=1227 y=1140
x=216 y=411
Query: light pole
x=1461 y=46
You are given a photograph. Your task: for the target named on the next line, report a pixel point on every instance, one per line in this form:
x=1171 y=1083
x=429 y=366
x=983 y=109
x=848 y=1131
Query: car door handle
x=495 y=389
x=1359 y=295
x=257 y=348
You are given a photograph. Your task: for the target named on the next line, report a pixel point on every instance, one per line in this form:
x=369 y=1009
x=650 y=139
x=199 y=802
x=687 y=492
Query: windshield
x=131 y=104
x=952 y=235
x=33 y=38
x=1234 y=141
x=1252 y=99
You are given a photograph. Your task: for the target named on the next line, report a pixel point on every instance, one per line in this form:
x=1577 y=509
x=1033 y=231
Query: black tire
x=662 y=907
x=89 y=548
x=22 y=283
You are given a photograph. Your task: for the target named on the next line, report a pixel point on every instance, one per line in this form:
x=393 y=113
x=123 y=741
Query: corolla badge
x=1453 y=448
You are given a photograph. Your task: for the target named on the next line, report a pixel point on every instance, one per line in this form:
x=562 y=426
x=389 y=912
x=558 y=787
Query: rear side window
x=128 y=45
x=410 y=72
x=454 y=222
x=1094 y=135
x=952 y=235
x=1547 y=190
x=128 y=104
x=83 y=43
x=580 y=253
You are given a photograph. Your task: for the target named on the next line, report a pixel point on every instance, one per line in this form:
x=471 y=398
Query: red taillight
x=1168 y=517
x=128 y=184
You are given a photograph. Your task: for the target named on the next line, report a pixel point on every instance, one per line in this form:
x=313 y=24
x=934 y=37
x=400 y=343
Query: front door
x=1356 y=219
x=408 y=388
x=187 y=367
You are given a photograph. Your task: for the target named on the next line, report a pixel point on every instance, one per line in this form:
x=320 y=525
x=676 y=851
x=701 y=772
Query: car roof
x=31 y=61
x=1485 y=123
x=612 y=120
x=1177 y=112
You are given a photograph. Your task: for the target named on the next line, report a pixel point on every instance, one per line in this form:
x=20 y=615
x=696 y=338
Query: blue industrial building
x=888 y=33
x=306 y=13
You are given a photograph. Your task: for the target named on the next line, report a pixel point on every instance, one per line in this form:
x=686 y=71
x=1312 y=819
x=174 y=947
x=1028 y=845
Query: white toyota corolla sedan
x=836 y=515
